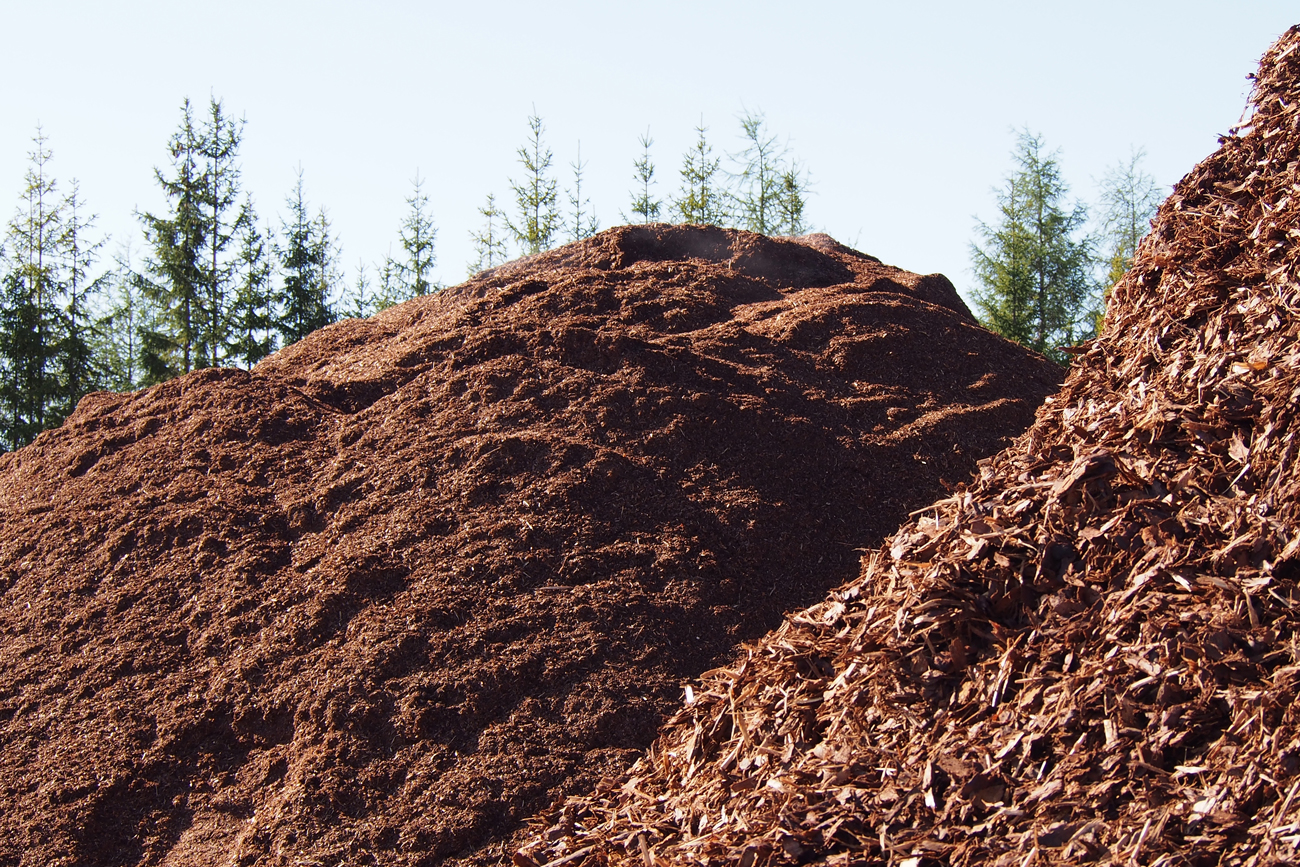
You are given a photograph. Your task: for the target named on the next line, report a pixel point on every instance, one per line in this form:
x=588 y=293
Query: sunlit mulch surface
x=1089 y=655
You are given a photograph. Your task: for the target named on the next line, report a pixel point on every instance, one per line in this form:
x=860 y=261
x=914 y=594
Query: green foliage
x=28 y=386
x=1035 y=266
x=226 y=224
x=1129 y=199
x=79 y=372
x=702 y=200
x=252 y=314
x=177 y=241
x=46 y=362
x=389 y=290
x=643 y=205
x=411 y=275
x=362 y=300
x=308 y=270
x=760 y=182
x=118 y=331
x=538 y=220
x=583 y=223
x=197 y=251
x=489 y=245
x=767 y=193
x=792 y=200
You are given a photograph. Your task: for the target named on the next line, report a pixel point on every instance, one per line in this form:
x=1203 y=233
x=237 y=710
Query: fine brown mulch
x=416 y=577
x=1089 y=654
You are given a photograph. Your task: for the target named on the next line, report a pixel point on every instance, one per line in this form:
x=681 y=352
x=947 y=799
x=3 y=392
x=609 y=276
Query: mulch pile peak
x=416 y=577
x=1090 y=653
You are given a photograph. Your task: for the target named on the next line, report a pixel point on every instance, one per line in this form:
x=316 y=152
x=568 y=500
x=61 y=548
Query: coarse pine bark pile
x=1092 y=653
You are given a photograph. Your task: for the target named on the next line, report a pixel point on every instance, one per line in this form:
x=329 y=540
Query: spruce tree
x=389 y=291
x=22 y=363
x=361 y=301
x=47 y=292
x=308 y=270
x=416 y=236
x=30 y=316
x=760 y=180
x=1035 y=266
x=644 y=205
x=175 y=283
x=538 y=220
x=194 y=270
x=792 y=201
x=583 y=223
x=118 y=331
x=252 y=314
x=226 y=221
x=1129 y=199
x=489 y=244
x=702 y=200
x=79 y=369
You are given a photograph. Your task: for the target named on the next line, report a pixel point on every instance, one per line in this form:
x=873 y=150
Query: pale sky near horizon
x=905 y=113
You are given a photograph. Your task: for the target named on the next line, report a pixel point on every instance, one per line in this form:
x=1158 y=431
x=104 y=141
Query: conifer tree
x=225 y=224
x=644 y=205
x=538 y=220
x=79 y=372
x=193 y=271
x=489 y=244
x=389 y=291
x=252 y=315
x=792 y=201
x=702 y=200
x=34 y=257
x=417 y=235
x=760 y=179
x=118 y=332
x=307 y=265
x=1129 y=199
x=1034 y=268
x=176 y=284
x=361 y=301
x=24 y=362
x=583 y=223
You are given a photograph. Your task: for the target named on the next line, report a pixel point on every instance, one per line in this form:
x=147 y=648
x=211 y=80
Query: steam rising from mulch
x=1091 y=652
x=416 y=577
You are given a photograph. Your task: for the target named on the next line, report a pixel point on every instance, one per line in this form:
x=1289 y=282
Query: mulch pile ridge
x=1091 y=653
x=416 y=577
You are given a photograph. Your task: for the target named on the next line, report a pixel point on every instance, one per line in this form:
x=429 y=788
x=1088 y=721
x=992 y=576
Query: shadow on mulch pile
x=1089 y=655
x=418 y=576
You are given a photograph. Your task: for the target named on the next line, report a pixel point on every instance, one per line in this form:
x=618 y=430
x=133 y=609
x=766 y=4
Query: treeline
x=763 y=189
x=216 y=286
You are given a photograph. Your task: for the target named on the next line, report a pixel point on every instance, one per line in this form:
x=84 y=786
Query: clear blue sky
x=903 y=112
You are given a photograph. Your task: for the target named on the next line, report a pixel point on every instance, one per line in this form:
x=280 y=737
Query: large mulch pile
x=1091 y=653
x=416 y=577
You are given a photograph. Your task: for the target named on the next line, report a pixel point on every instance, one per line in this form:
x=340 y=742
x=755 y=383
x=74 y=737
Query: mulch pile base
x=418 y=577
x=1091 y=653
